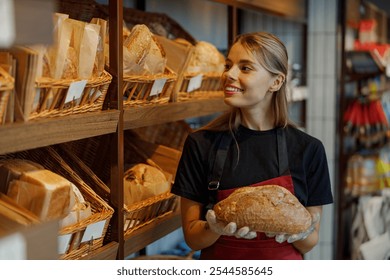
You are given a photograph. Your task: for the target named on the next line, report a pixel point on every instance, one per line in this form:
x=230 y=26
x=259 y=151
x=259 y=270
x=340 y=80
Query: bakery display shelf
x=106 y=252
x=149 y=233
x=32 y=134
x=140 y=116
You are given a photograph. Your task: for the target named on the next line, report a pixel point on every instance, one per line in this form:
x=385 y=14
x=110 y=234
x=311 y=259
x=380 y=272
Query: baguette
x=269 y=208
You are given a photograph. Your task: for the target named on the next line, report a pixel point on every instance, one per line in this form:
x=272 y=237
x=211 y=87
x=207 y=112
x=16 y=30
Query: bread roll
x=269 y=208
x=142 y=181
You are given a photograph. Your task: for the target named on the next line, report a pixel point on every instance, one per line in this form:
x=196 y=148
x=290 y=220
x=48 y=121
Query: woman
x=262 y=147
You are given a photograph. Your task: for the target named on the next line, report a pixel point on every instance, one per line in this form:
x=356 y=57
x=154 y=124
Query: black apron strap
x=282 y=152
x=216 y=173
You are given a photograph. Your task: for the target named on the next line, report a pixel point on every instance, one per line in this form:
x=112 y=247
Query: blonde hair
x=271 y=53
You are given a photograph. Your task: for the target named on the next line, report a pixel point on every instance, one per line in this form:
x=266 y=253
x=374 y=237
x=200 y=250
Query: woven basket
x=52 y=97
x=210 y=87
x=6 y=87
x=94 y=153
x=139 y=90
x=101 y=211
x=171 y=134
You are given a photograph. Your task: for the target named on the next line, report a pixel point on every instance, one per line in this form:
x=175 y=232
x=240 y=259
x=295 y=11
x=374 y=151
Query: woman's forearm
x=196 y=231
x=198 y=235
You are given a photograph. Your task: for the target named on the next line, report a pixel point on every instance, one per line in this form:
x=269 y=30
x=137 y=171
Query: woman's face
x=245 y=82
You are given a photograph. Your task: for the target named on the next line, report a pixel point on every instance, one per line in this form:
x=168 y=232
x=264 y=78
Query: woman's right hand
x=229 y=229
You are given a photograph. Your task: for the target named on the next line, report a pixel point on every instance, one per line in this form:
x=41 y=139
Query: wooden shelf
x=24 y=136
x=107 y=252
x=149 y=115
x=147 y=234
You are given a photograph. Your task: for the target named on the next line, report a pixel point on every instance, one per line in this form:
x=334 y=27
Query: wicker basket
x=210 y=87
x=94 y=153
x=171 y=134
x=53 y=93
x=74 y=235
x=6 y=87
x=141 y=90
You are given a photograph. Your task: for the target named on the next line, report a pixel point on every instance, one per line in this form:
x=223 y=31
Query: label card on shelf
x=63 y=243
x=94 y=231
x=158 y=86
x=13 y=247
x=195 y=83
x=75 y=90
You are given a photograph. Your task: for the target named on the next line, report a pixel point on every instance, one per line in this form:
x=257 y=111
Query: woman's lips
x=231 y=90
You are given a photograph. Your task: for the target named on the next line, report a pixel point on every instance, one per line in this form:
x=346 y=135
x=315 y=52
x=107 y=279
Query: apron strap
x=282 y=152
x=216 y=173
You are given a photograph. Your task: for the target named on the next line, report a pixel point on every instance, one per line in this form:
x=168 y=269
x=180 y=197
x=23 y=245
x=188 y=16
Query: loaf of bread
x=142 y=181
x=269 y=208
x=142 y=53
x=43 y=192
x=205 y=59
x=12 y=169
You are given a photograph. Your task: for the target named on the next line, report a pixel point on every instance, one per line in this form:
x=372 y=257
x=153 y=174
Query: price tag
x=7 y=23
x=94 y=94
x=63 y=243
x=195 y=83
x=94 y=231
x=157 y=87
x=75 y=90
x=13 y=247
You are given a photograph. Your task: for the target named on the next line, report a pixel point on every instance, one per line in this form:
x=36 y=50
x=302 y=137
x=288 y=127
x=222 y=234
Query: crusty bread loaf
x=143 y=181
x=269 y=208
x=138 y=43
x=206 y=58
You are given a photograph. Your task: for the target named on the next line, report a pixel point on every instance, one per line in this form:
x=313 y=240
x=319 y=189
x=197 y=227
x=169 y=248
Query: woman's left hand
x=290 y=238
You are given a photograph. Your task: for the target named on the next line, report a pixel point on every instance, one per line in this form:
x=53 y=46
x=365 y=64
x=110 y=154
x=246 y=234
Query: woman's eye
x=227 y=67
x=246 y=68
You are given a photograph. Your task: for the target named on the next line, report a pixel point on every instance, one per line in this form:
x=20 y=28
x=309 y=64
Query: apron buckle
x=213 y=185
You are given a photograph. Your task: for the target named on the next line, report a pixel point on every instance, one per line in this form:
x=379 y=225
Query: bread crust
x=269 y=208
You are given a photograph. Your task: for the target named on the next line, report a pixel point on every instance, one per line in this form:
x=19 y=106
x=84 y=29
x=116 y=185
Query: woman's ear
x=277 y=83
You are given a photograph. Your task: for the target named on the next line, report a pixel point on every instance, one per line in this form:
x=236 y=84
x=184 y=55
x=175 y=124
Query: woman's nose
x=231 y=73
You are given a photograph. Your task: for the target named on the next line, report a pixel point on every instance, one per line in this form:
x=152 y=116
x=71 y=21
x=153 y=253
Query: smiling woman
x=252 y=145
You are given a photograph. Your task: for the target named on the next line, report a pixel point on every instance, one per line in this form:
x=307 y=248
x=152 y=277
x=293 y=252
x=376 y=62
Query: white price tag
x=63 y=243
x=195 y=83
x=13 y=247
x=94 y=231
x=157 y=87
x=7 y=23
x=75 y=90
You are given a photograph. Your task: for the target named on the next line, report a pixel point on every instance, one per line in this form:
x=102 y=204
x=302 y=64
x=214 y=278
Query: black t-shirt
x=256 y=161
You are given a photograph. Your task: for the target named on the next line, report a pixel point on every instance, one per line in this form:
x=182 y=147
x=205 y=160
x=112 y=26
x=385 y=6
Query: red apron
x=261 y=247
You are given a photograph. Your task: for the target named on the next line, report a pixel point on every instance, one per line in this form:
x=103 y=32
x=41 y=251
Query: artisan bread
x=142 y=181
x=269 y=208
x=142 y=53
x=205 y=59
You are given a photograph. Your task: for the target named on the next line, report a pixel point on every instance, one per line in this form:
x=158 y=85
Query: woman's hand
x=229 y=229
x=290 y=238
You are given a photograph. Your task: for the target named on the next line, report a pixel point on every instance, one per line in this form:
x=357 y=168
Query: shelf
x=135 y=117
x=107 y=252
x=24 y=136
x=149 y=233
